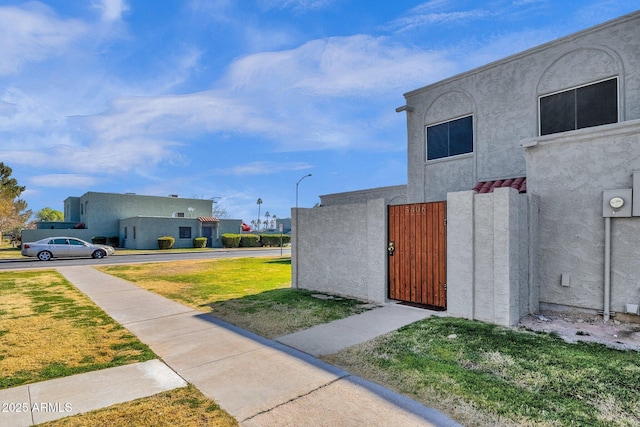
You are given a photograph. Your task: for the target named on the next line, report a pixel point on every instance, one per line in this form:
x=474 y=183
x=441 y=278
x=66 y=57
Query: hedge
x=249 y=240
x=230 y=240
x=166 y=242
x=99 y=240
x=274 y=239
x=200 y=242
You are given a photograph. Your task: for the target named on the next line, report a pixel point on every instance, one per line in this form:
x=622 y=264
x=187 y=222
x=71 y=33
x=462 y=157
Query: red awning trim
x=519 y=184
x=208 y=219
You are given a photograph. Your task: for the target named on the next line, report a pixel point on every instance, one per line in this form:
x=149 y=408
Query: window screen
x=450 y=138
x=583 y=107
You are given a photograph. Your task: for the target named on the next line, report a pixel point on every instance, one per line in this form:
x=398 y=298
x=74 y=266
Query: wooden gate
x=417 y=253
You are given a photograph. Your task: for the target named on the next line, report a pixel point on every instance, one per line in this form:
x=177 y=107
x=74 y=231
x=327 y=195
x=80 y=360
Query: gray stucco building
x=138 y=220
x=563 y=121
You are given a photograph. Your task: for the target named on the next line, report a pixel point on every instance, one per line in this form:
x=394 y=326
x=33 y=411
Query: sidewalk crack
x=297 y=397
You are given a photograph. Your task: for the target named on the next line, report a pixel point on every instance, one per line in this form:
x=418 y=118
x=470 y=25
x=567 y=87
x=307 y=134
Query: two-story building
x=520 y=191
x=136 y=221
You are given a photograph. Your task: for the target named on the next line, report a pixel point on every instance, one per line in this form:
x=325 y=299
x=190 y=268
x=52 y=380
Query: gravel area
x=574 y=328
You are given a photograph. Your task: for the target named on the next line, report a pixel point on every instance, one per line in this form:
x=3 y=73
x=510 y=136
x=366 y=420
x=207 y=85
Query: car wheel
x=98 y=254
x=45 y=256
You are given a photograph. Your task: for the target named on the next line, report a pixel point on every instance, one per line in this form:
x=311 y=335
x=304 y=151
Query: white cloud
x=298 y=5
x=63 y=180
x=112 y=10
x=31 y=33
x=283 y=96
x=434 y=12
x=264 y=168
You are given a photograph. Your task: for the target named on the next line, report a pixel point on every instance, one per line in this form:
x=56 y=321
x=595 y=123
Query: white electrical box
x=617 y=203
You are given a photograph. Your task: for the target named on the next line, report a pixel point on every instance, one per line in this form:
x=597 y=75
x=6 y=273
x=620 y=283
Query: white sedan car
x=64 y=247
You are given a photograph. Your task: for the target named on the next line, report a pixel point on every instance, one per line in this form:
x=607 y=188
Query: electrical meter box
x=617 y=203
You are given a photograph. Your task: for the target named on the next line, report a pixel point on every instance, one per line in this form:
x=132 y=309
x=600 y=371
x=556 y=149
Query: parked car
x=64 y=247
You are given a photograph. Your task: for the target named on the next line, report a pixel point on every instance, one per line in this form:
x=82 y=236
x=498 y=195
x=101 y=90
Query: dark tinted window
x=185 y=232
x=597 y=104
x=450 y=138
x=579 y=108
x=60 y=242
x=558 y=113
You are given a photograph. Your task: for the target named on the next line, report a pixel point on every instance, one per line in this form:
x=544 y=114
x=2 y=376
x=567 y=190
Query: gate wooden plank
x=417 y=270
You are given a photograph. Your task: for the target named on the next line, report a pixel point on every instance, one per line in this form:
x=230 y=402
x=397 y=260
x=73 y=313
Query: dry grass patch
x=283 y=311
x=185 y=407
x=50 y=329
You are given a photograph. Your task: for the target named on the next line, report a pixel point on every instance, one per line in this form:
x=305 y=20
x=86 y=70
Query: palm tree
x=267 y=215
x=274 y=221
x=259 y=202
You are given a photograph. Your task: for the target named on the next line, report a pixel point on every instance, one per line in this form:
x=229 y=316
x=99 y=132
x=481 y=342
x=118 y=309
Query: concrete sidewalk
x=258 y=381
x=62 y=397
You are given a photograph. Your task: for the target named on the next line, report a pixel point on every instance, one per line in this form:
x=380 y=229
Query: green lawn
x=201 y=282
x=484 y=374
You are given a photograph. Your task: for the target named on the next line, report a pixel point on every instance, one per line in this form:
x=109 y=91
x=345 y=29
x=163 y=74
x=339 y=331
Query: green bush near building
x=166 y=242
x=230 y=240
x=274 y=239
x=200 y=242
x=249 y=241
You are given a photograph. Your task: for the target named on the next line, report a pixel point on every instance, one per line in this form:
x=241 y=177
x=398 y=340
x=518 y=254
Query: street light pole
x=296 y=230
x=297 y=184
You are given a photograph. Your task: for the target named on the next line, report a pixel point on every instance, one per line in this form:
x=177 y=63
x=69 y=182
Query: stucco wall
x=148 y=229
x=393 y=195
x=503 y=98
x=341 y=249
x=488 y=256
x=101 y=212
x=568 y=172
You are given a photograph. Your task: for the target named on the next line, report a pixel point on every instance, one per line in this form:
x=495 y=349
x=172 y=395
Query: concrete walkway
x=334 y=336
x=258 y=381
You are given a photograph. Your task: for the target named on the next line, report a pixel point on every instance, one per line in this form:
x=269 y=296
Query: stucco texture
x=569 y=172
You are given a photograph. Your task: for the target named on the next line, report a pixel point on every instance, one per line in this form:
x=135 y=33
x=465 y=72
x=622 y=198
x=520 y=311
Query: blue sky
x=238 y=99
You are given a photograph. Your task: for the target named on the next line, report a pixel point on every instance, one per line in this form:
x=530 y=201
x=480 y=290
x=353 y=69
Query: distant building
x=137 y=220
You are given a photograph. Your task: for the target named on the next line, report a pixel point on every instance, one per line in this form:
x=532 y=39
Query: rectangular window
x=134 y=232
x=125 y=232
x=185 y=232
x=450 y=138
x=586 y=106
x=179 y=214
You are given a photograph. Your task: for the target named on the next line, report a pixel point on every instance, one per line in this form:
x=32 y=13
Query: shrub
x=166 y=242
x=200 y=242
x=99 y=240
x=230 y=240
x=113 y=241
x=274 y=239
x=249 y=241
